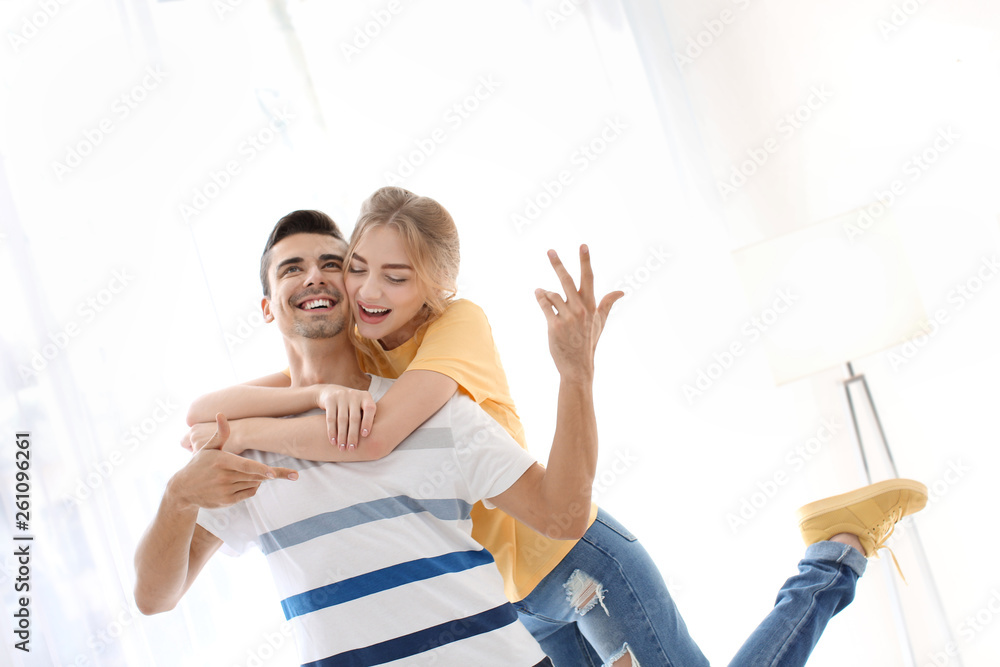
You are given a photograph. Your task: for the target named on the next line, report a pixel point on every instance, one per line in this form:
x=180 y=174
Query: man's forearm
x=572 y=464
x=162 y=558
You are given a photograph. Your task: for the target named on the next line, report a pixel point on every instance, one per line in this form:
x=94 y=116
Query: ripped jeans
x=607 y=598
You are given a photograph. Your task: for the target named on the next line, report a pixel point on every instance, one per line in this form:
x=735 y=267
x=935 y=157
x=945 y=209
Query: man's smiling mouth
x=317 y=304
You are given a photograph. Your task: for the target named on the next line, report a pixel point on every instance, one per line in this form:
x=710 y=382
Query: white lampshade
x=834 y=291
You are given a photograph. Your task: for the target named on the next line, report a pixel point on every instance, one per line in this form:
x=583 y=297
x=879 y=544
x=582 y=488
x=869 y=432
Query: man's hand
x=349 y=414
x=216 y=478
x=576 y=321
x=199 y=435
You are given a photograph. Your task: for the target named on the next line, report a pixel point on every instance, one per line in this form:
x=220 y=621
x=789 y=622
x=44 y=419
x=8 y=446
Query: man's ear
x=265 y=306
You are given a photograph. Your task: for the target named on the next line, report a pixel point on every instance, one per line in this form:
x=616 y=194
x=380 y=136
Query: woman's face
x=383 y=288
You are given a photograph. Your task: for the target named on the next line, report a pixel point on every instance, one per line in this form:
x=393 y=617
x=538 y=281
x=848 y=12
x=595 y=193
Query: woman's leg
x=561 y=640
x=828 y=574
x=825 y=584
x=610 y=587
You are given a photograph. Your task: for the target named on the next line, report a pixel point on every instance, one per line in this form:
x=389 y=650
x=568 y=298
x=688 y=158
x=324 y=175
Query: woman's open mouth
x=372 y=314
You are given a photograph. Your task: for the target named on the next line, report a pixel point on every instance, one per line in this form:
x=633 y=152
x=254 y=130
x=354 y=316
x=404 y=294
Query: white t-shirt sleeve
x=233 y=525
x=490 y=460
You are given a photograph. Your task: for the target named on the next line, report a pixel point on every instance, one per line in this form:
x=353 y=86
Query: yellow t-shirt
x=460 y=344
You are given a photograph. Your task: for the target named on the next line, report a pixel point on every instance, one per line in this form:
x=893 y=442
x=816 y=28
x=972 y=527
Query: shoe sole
x=915 y=504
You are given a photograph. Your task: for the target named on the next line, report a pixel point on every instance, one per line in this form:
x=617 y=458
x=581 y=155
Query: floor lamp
x=854 y=295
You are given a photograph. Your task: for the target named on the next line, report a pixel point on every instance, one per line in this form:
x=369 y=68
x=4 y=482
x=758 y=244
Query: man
x=409 y=582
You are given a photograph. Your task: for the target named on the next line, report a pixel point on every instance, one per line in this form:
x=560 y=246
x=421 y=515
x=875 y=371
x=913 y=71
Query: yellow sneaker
x=870 y=512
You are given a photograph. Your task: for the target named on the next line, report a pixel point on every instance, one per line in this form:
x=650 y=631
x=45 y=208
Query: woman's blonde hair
x=429 y=234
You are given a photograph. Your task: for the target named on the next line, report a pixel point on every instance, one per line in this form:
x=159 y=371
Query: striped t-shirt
x=374 y=561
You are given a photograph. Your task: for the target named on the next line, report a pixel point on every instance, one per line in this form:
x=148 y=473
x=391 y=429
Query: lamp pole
x=899 y=617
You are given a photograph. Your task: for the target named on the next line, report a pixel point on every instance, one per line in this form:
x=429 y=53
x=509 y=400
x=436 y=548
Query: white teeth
x=375 y=311
x=317 y=303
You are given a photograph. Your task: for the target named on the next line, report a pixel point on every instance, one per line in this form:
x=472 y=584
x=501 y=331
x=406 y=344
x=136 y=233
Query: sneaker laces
x=881 y=534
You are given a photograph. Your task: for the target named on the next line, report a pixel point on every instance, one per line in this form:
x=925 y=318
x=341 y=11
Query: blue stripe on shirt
x=422 y=640
x=448 y=509
x=382 y=580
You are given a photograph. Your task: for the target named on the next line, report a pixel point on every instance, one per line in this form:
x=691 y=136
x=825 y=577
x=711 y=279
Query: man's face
x=307 y=286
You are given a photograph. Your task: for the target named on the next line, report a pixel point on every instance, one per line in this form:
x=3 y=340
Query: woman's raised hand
x=575 y=320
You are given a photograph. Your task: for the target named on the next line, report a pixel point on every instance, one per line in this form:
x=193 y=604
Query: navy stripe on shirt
x=422 y=640
x=449 y=509
x=382 y=580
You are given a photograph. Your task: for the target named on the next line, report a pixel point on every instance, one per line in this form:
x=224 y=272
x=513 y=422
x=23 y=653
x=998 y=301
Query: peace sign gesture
x=576 y=320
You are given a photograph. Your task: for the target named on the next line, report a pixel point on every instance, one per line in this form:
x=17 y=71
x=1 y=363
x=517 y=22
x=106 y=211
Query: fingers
x=255 y=471
x=343 y=424
x=246 y=493
x=331 y=425
x=586 y=275
x=604 y=309
x=285 y=473
x=223 y=424
x=569 y=287
x=221 y=433
x=337 y=420
x=349 y=418
x=215 y=478
x=545 y=301
x=362 y=407
x=368 y=408
x=586 y=291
